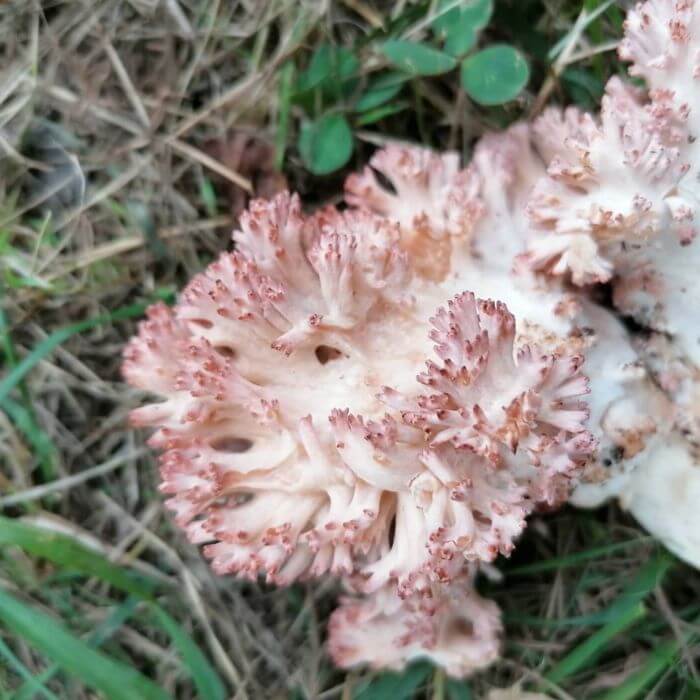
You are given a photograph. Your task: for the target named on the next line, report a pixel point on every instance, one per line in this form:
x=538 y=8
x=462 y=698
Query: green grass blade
x=576 y=558
x=66 y=552
x=595 y=644
x=647 y=579
x=623 y=613
x=101 y=633
x=23 y=415
x=395 y=686
x=663 y=657
x=593 y=619
x=58 y=337
x=659 y=660
x=35 y=685
x=40 y=442
x=205 y=678
x=116 y=680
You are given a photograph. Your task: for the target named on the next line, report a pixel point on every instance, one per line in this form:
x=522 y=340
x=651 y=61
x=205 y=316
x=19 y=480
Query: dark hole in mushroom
x=384 y=182
x=232 y=500
x=243 y=498
x=482 y=518
x=392 y=531
x=462 y=627
x=325 y=353
x=202 y=322
x=226 y=351
x=232 y=444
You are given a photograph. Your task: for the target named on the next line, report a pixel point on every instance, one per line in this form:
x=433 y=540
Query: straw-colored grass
x=118 y=181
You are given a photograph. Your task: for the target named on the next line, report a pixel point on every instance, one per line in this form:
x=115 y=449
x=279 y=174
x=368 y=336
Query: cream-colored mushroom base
x=386 y=392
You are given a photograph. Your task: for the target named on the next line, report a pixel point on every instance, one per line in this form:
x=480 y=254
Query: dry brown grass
x=106 y=112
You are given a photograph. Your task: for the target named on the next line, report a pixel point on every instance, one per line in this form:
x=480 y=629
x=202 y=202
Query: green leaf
x=459 y=23
x=495 y=75
x=205 y=678
x=395 y=686
x=478 y=12
x=374 y=115
x=380 y=90
x=326 y=145
x=416 y=58
x=331 y=68
x=318 y=70
x=447 y=14
x=66 y=552
x=344 y=71
x=461 y=39
x=115 y=679
x=584 y=86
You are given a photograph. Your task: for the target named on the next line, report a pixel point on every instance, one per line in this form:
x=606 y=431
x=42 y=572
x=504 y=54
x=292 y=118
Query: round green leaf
x=326 y=144
x=459 y=23
x=416 y=58
x=495 y=75
x=447 y=12
x=461 y=39
x=478 y=13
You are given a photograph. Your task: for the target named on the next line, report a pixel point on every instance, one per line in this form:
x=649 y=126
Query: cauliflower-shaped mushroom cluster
x=337 y=403
x=385 y=392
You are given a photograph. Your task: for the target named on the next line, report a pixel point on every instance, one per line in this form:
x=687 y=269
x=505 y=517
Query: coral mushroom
x=455 y=628
x=619 y=204
x=385 y=393
x=283 y=344
x=336 y=402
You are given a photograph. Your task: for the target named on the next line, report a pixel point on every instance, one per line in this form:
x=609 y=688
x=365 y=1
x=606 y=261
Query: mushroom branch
x=385 y=393
x=619 y=205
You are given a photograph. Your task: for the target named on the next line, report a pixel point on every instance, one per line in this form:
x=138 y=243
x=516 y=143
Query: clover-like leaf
x=331 y=68
x=495 y=75
x=326 y=144
x=478 y=13
x=459 y=23
x=417 y=58
x=380 y=90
